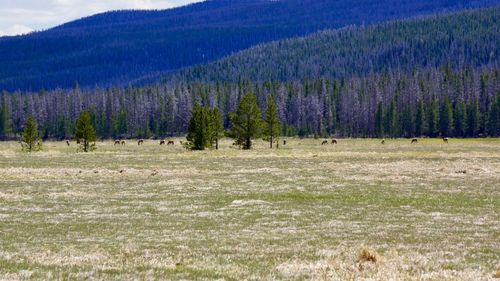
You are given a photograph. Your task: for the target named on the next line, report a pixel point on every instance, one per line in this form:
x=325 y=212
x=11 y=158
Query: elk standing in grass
x=325 y=142
x=446 y=140
x=162 y=142
x=334 y=141
x=140 y=142
x=414 y=141
x=383 y=141
x=123 y=142
x=170 y=142
x=67 y=142
x=117 y=142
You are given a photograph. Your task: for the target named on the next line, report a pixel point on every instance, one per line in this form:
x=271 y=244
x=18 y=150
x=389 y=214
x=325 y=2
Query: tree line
x=429 y=102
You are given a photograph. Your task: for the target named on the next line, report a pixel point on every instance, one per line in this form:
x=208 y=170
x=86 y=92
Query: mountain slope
x=469 y=38
x=117 y=47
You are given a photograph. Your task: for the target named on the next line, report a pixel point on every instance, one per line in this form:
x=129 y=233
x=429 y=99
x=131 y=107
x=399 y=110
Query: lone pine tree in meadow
x=29 y=137
x=271 y=124
x=85 y=132
x=199 y=128
x=245 y=122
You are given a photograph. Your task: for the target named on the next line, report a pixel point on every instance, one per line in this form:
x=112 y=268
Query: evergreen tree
x=5 y=128
x=446 y=118
x=407 y=123
x=432 y=119
x=271 y=124
x=379 y=121
x=473 y=118
x=420 y=120
x=390 y=120
x=245 y=122
x=460 y=119
x=494 y=118
x=199 y=128
x=216 y=126
x=85 y=133
x=29 y=137
x=120 y=124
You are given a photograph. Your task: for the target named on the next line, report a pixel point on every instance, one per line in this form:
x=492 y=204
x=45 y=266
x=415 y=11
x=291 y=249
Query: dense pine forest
x=466 y=38
x=122 y=47
x=431 y=76
x=431 y=102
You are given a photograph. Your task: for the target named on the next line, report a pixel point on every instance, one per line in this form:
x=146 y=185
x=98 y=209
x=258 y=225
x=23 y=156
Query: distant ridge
x=115 y=48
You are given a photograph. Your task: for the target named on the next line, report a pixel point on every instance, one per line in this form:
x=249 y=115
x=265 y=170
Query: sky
x=24 y=16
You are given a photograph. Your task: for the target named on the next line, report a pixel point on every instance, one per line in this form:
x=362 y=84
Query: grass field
x=358 y=210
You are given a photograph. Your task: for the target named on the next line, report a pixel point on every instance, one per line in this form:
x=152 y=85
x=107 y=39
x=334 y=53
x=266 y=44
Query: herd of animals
x=171 y=142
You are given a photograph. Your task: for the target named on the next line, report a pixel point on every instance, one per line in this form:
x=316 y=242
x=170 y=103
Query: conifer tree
x=446 y=118
x=29 y=137
x=407 y=123
x=245 y=122
x=198 y=131
x=379 y=121
x=473 y=118
x=494 y=118
x=216 y=126
x=5 y=128
x=271 y=124
x=432 y=119
x=420 y=120
x=85 y=133
x=460 y=119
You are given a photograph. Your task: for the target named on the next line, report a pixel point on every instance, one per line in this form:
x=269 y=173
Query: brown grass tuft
x=496 y=274
x=368 y=255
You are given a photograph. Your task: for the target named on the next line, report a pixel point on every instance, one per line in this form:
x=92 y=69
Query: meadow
x=358 y=210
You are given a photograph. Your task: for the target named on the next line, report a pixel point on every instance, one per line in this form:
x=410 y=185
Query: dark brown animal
x=414 y=141
x=284 y=142
x=117 y=142
x=334 y=141
x=123 y=142
x=325 y=142
x=446 y=140
x=170 y=142
x=140 y=142
x=67 y=142
x=162 y=142
x=383 y=141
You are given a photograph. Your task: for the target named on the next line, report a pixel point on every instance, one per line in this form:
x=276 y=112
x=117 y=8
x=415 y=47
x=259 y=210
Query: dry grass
x=297 y=213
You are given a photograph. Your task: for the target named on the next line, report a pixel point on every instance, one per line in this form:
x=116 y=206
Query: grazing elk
x=284 y=142
x=140 y=142
x=383 y=141
x=170 y=142
x=162 y=142
x=123 y=142
x=67 y=142
x=446 y=140
x=414 y=141
x=325 y=142
x=117 y=142
x=334 y=141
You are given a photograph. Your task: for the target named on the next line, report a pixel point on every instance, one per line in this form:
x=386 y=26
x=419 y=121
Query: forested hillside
x=469 y=38
x=116 y=48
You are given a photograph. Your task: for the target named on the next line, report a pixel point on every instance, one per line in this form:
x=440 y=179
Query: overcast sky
x=23 y=16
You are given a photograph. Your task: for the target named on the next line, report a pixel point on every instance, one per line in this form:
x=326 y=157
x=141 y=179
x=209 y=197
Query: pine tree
x=216 y=126
x=29 y=137
x=407 y=122
x=473 y=118
x=85 y=133
x=245 y=122
x=199 y=128
x=460 y=119
x=494 y=118
x=271 y=123
x=446 y=118
x=432 y=119
x=420 y=120
x=390 y=120
x=5 y=128
x=379 y=121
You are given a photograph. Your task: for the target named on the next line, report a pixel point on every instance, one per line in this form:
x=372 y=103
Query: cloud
x=24 y=16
